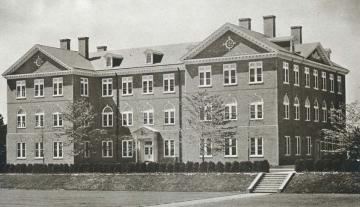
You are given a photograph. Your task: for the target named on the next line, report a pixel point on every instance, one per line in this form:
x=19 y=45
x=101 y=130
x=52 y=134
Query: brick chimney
x=269 y=26
x=296 y=32
x=245 y=22
x=84 y=46
x=101 y=48
x=65 y=44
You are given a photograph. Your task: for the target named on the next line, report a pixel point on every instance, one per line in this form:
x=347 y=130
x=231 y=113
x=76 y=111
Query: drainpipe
x=180 y=115
x=117 y=118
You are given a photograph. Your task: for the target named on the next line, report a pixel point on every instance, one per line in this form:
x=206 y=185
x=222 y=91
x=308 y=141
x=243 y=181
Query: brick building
x=278 y=89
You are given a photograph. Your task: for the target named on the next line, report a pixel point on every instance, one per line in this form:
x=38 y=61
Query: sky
x=136 y=23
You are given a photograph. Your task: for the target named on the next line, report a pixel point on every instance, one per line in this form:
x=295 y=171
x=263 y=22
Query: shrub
x=220 y=167
x=181 y=167
x=228 y=167
x=169 y=167
x=309 y=165
x=196 y=167
x=177 y=167
x=335 y=165
x=189 y=166
x=246 y=166
x=350 y=165
x=320 y=165
x=300 y=165
x=235 y=167
x=261 y=166
x=162 y=167
x=203 y=167
x=152 y=167
x=211 y=167
x=131 y=167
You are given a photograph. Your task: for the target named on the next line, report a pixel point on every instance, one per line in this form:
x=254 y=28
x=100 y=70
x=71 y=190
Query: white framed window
x=332 y=84
x=147 y=84
x=21 y=119
x=107 y=87
x=298 y=145
x=323 y=78
x=39 y=87
x=296 y=76
x=58 y=149
x=332 y=110
x=255 y=72
x=307 y=77
x=57 y=119
x=229 y=74
x=256 y=110
x=107 y=117
x=148 y=117
x=231 y=111
x=20 y=89
x=84 y=87
x=169 y=148
x=316 y=111
x=286 y=72
x=112 y=62
x=169 y=83
x=324 y=112
x=127 y=148
x=256 y=147
x=287 y=146
x=127 y=118
x=107 y=148
x=86 y=149
x=58 y=86
x=230 y=147
x=339 y=84
x=297 y=108
x=286 y=104
x=39 y=119
x=307 y=110
x=39 y=150
x=205 y=113
x=316 y=79
x=127 y=85
x=21 y=150
x=205 y=147
x=169 y=116
x=205 y=76
x=308 y=145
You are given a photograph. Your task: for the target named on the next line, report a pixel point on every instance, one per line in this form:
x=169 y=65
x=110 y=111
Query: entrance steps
x=273 y=182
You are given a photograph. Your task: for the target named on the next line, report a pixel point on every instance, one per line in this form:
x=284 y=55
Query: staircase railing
x=250 y=189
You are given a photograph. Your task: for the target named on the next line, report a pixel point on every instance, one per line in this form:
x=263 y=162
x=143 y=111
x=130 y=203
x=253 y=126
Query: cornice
x=35 y=75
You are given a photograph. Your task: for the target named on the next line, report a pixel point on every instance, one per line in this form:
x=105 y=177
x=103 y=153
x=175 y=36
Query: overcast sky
x=133 y=23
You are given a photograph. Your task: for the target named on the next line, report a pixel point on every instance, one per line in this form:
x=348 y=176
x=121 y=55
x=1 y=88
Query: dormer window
x=153 y=57
x=113 y=60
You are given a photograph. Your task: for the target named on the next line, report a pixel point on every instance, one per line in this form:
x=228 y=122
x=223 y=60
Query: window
x=297 y=108
x=21 y=119
x=39 y=87
x=149 y=57
x=153 y=57
x=107 y=149
x=127 y=118
x=332 y=110
x=316 y=111
x=148 y=117
x=287 y=145
x=39 y=150
x=21 y=150
x=307 y=109
x=205 y=147
x=230 y=147
x=147 y=84
x=169 y=148
x=286 y=72
x=84 y=86
x=255 y=72
x=256 y=147
x=113 y=61
x=298 y=145
x=169 y=83
x=286 y=104
x=296 y=75
x=256 y=111
x=170 y=116
x=309 y=145
x=229 y=73
x=107 y=86
x=339 y=84
x=324 y=112
x=127 y=148
x=107 y=117
x=323 y=78
x=57 y=119
x=127 y=85
x=21 y=89
x=205 y=75
x=39 y=119
x=58 y=86
x=58 y=150
x=316 y=79
x=205 y=113
x=231 y=111
x=332 y=85
x=307 y=77
x=86 y=149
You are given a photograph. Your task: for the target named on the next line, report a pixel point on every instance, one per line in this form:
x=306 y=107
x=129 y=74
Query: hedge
x=324 y=165
x=151 y=167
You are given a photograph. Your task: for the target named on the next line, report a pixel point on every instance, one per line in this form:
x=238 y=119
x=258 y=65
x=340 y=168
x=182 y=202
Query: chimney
x=328 y=52
x=84 y=46
x=269 y=26
x=65 y=44
x=245 y=22
x=101 y=48
x=296 y=32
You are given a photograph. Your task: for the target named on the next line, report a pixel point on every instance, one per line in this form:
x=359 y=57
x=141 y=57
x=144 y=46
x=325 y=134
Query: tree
x=209 y=122
x=3 y=131
x=343 y=135
x=1 y=120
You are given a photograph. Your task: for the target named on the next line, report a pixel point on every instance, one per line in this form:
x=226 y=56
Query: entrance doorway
x=148 y=151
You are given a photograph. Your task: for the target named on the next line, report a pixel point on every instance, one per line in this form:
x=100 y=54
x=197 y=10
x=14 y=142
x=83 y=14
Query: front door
x=148 y=151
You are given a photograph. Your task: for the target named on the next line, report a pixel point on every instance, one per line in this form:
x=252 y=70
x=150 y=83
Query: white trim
x=230 y=59
x=108 y=149
x=229 y=68
x=254 y=66
x=256 y=146
x=148 y=79
x=107 y=114
x=84 y=83
x=169 y=147
x=56 y=82
x=230 y=148
x=256 y=104
x=296 y=75
x=287 y=145
x=58 y=118
x=38 y=83
x=298 y=146
x=127 y=114
x=21 y=85
x=127 y=81
x=204 y=69
x=22 y=150
x=57 y=150
x=169 y=78
x=108 y=82
x=127 y=152
x=286 y=78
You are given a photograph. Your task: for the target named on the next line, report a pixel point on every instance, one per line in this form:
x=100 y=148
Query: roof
x=306 y=49
x=280 y=39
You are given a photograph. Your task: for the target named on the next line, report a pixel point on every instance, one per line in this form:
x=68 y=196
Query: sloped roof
x=306 y=49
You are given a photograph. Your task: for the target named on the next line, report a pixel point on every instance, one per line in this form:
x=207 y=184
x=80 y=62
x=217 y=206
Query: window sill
x=107 y=126
x=148 y=93
x=307 y=86
x=230 y=156
x=84 y=96
x=257 y=156
x=332 y=91
x=107 y=96
x=39 y=127
x=297 y=85
x=20 y=98
x=169 y=124
x=172 y=156
x=230 y=84
x=308 y=154
x=127 y=94
x=39 y=96
x=298 y=155
x=107 y=157
x=256 y=119
x=256 y=83
x=316 y=89
x=21 y=158
x=168 y=92
x=204 y=86
x=148 y=124
x=339 y=93
x=58 y=126
x=38 y=158
x=58 y=95
x=286 y=83
x=287 y=155
x=324 y=90
x=123 y=157
x=58 y=158
x=20 y=127
x=297 y=119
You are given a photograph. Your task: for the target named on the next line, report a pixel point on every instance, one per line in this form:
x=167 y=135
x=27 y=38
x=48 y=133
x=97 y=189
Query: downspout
x=180 y=115
x=117 y=118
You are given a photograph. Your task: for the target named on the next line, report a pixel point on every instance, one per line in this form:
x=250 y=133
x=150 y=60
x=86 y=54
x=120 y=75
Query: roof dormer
x=113 y=60
x=152 y=56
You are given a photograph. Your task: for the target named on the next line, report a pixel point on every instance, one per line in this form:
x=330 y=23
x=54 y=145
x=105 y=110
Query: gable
x=316 y=56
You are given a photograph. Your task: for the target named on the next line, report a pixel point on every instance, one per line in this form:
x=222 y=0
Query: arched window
x=169 y=114
x=231 y=110
x=21 y=119
x=307 y=109
x=107 y=117
x=127 y=116
x=316 y=111
x=297 y=108
x=148 y=114
x=286 y=104
x=39 y=118
x=324 y=111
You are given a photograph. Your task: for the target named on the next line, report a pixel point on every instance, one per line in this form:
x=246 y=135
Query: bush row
x=246 y=166
x=324 y=165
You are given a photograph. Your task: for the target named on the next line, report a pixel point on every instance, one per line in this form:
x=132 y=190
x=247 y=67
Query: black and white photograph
x=199 y=103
